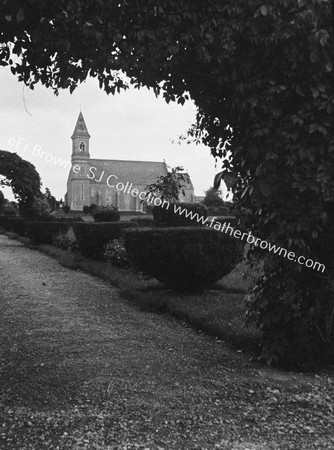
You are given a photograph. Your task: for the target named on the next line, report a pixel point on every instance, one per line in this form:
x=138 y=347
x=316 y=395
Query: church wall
x=83 y=190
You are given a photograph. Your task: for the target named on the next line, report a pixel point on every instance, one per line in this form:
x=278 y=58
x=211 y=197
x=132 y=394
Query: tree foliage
x=22 y=177
x=168 y=187
x=213 y=197
x=50 y=199
x=2 y=201
x=261 y=75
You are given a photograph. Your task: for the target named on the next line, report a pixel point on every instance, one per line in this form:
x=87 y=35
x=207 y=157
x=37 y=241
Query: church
x=111 y=182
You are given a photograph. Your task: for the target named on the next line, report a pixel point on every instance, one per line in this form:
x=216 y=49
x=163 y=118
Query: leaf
x=265 y=189
x=20 y=15
x=264 y=10
x=217 y=180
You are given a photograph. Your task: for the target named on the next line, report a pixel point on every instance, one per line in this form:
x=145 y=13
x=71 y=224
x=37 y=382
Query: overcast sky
x=132 y=125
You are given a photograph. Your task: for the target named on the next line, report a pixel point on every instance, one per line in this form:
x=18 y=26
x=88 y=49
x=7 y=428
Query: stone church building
x=110 y=182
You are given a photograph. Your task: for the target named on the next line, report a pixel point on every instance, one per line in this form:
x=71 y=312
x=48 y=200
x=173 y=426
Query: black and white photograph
x=166 y=225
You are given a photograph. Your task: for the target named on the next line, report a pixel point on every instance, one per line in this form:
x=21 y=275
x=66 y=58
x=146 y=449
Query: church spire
x=80 y=140
x=80 y=129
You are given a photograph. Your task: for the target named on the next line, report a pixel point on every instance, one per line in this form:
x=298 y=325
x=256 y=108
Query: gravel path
x=82 y=369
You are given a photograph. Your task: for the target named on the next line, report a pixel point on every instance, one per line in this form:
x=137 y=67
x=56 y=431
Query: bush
x=44 y=232
x=166 y=217
x=187 y=259
x=116 y=255
x=93 y=237
x=86 y=209
x=64 y=242
x=92 y=208
x=143 y=221
x=4 y=223
x=17 y=225
x=106 y=214
x=66 y=209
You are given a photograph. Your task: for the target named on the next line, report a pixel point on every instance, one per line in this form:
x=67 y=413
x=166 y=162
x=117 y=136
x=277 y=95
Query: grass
x=218 y=312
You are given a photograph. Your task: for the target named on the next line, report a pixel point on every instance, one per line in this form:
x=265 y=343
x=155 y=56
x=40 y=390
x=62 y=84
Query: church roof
x=139 y=173
x=80 y=129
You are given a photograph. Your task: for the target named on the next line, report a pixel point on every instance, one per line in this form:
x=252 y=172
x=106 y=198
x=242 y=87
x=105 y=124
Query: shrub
x=167 y=217
x=44 y=232
x=106 y=214
x=4 y=223
x=116 y=255
x=92 y=208
x=17 y=225
x=188 y=259
x=143 y=221
x=61 y=240
x=86 y=209
x=66 y=209
x=93 y=237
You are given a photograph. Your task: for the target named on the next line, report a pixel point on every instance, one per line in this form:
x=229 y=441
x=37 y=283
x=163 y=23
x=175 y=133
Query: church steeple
x=80 y=140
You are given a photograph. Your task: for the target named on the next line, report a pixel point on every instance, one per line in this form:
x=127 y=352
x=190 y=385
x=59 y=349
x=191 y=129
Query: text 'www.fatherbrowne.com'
x=249 y=238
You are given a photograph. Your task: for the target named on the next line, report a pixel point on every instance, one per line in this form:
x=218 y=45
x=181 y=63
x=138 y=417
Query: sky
x=132 y=125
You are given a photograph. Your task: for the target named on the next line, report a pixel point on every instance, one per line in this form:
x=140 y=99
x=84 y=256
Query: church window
x=82 y=147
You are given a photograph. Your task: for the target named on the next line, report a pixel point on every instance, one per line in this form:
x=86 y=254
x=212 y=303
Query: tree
x=168 y=187
x=261 y=75
x=40 y=209
x=22 y=177
x=2 y=201
x=213 y=198
x=50 y=199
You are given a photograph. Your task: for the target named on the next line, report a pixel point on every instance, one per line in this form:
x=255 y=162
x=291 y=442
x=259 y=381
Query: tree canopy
x=213 y=197
x=169 y=187
x=2 y=201
x=261 y=75
x=22 y=177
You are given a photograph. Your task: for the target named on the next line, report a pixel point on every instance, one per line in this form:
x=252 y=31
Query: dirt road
x=82 y=369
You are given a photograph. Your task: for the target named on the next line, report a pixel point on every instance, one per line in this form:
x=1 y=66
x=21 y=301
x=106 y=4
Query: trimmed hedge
x=17 y=225
x=9 y=211
x=219 y=211
x=4 y=223
x=187 y=259
x=92 y=237
x=44 y=232
x=66 y=219
x=167 y=217
x=106 y=214
x=228 y=220
x=143 y=221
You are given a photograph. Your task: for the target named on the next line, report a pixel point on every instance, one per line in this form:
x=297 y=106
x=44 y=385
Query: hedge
x=106 y=214
x=17 y=225
x=66 y=219
x=92 y=237
x=228 y=220
x=219 y=210
x=44 y=232
x=167 y=217
x=143 y=221
x=4 y=223
x=187 y=259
